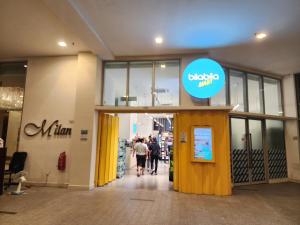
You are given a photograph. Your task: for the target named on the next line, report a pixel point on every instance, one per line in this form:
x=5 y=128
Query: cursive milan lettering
x=55 y=129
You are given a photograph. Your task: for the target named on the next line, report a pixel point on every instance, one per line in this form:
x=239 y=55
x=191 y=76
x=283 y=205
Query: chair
x=16 y=165
x=2 y=167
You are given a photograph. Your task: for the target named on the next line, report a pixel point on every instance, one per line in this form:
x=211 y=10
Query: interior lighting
x=163 y=66
x=236 y=107
x=159 y=40
x=25 y=66
x=260 y=35
x=62 y=44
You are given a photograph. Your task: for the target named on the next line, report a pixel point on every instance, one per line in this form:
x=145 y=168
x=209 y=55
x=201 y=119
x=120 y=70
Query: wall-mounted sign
x=83 y=135
x=203 y=78
x=183 y=138
x=55 y=129
x=202 y=144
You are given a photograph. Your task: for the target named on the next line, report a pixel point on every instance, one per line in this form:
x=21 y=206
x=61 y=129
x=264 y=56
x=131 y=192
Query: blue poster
x=203 y=144
x=134 y=129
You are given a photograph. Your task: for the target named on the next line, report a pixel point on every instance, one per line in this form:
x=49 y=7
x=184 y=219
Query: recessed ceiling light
x=260 y=35
x=163 y=66
x=25 y=66
x=159 y=40
x=62 y=44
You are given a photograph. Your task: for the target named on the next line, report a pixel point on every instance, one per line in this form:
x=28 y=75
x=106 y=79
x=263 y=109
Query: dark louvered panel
x=258 y=165
x=240 y=166
x=277 y=163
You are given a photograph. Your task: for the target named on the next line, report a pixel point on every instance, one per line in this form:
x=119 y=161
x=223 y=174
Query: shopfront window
x=140 y=84
x=220 y=99
x=166 y=91
x=272 y=95
x=255 y=97
x=12 y=84
x=237 y=90
x=115 y=79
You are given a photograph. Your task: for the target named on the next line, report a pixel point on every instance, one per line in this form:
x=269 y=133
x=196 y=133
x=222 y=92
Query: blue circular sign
x=203 y=78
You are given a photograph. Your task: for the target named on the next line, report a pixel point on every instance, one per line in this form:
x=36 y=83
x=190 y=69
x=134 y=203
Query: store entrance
x=257 y=151
x=121 y=134
x=247 y=150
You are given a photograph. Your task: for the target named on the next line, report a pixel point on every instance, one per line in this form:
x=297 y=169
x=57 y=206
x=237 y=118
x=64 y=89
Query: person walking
x=148 y=157
x=140 y=149
x=154 y=153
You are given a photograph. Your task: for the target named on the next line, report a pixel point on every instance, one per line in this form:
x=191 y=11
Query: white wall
x=291 y=128
x=144 y=125
x=124 y=125
x=49 y=94
x=83 y=152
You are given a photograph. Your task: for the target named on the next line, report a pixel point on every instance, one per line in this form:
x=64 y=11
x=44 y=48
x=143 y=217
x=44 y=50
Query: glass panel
x=272 y=92
x=220 y=98
x=257 y=162
x=115 y=78
x=276 y=149
x=166 y=83
x=140 y=84
x=239 y=152
x=237 y=95
x=255 y=94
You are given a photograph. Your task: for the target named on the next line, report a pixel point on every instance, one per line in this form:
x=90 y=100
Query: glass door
x=239 y=152
x=256 y=151
x=247 y=151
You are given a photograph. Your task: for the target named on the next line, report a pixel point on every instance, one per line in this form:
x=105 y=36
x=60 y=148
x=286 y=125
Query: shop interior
x=148 y=126
x=12 y=85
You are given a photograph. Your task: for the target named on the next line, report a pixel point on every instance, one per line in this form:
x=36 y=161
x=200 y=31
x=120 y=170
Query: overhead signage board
x=202 y=142
x=203 y=78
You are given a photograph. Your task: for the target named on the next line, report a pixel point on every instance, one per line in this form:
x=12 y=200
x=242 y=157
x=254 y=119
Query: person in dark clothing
x=154 y=153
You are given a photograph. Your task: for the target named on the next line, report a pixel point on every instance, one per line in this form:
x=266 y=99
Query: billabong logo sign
x=203 y=78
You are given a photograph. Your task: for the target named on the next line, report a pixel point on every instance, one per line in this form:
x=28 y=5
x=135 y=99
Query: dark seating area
x=16 y=164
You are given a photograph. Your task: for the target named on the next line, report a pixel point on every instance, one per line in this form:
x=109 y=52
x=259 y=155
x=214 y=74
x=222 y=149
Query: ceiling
x=224 y=29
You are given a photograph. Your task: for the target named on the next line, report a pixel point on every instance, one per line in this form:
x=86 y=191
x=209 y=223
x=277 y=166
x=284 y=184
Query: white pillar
x=291 y=128
x=83 y=152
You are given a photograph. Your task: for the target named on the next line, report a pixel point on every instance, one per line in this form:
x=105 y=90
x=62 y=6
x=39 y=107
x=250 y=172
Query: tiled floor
x=147 y=200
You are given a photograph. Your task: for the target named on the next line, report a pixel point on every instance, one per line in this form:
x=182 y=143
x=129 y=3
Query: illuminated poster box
x=202 y=144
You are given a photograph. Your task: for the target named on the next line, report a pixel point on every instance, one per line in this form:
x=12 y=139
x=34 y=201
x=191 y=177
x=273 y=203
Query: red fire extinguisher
x=61 y=165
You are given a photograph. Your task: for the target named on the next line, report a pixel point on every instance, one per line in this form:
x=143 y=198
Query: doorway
x=117 y=164
x=248 y=156
x=258 y=152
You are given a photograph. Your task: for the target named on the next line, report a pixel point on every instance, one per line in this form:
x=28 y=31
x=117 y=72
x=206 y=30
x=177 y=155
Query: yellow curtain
x=107 y=149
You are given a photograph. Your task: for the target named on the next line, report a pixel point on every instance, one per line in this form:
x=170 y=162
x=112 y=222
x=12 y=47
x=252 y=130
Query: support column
x=291 y=129
x=83 y=152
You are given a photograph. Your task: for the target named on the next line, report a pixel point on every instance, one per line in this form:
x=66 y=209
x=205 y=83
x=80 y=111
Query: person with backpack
x=154 y=153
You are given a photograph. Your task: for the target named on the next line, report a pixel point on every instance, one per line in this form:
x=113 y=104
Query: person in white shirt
x=140 y=149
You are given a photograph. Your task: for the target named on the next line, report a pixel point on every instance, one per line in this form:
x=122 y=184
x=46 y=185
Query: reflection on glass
x=220 y=98
x=238 y=131
x=239 y=152
x=166 y=83
x=115 y=76
x=237 y=95
x=140 y=84
x=272 y=91
x=256 y=134
x=255 y=94
x=276 y=149
x=275 y=134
